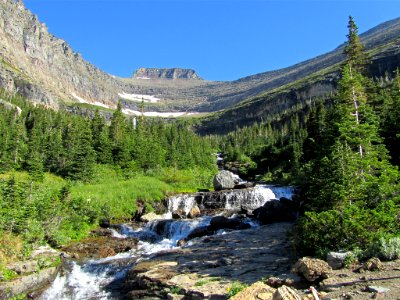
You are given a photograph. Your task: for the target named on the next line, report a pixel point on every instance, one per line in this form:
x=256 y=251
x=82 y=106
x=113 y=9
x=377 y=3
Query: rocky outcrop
x=275 y=211
x=170 y=73
x=100 y=247
x=33 y=274
x=225 y=180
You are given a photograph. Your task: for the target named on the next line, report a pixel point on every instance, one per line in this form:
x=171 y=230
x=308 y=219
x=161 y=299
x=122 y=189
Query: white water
x=89 y=280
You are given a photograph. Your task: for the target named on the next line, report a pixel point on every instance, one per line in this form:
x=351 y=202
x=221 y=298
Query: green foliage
x=206 y=280
x=42 y=211
x=8 y=274
x=388 y=248
x=351 y=228
x=175 y=290
x=235 y=288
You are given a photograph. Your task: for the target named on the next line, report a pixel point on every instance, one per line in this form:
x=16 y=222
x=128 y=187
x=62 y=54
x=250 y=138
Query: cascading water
x=99 y=279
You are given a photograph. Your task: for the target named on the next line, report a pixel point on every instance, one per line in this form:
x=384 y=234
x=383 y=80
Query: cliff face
x=43 y=67
x=172 y=73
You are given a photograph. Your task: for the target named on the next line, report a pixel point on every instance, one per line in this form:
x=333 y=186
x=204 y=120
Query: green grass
x=117 y=198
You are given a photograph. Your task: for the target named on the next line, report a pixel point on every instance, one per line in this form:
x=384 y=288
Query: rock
x=285 y=293
x=194 y=212
x=244 y=185
x=336 y=259
x=101 y=232
x=100 y=247
x=221 y=222
x=312 y=269
x=24 y=267
x=256 y=291
x=274 y=211
x=27 y=284
x=150 y=217
x=377 y=289
x=178 y=214
x=161 y=227
x=373 y=264
x=105 y=223
x=199 y=232
x=288 y=280
x=224 y=180
x=181 y=242
x=165 y=73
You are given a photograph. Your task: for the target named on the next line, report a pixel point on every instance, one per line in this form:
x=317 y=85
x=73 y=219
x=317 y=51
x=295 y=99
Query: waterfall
x=237 y=199
x=99 y=279
x=181 y=202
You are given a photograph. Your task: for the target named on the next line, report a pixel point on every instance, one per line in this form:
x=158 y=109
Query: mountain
x=46 y=70
x=170 y=73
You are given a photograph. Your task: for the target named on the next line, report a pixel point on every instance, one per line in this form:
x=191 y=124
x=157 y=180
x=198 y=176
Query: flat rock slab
x=208 y=266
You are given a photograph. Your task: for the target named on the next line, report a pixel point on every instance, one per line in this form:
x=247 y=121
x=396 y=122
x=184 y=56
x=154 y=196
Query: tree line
x=42 y=140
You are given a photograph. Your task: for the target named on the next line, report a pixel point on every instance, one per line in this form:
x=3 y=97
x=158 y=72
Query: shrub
x=389 y=248
x=235 y=288
x=346 y=229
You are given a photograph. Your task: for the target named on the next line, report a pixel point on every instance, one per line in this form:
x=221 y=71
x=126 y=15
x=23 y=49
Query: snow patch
x=139 y=97
x=156 y=114
x=81 y=100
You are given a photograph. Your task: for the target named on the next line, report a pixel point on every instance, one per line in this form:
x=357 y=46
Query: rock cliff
x=172 y=73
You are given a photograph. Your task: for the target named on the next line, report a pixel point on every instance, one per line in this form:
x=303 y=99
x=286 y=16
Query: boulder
x=225 y=180
x=285 y=293
x=256 y=291
x=221 y=222
x=194 y=212
x=373 y=264
x=274 y=211
x=244 y=185
x=337 y=259
x=161 y=227
x=199 y=232
x=178 y=214
x=312 y=269
x=100 y=247
x=24 y=267
x=105 y=223
x=150 y=217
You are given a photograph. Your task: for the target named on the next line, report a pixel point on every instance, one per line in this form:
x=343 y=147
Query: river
x=102 y=278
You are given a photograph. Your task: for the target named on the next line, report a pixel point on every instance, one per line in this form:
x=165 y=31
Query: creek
x=103 y=278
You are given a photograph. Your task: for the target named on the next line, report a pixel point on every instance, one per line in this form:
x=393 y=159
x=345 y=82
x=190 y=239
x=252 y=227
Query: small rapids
x=103 y=278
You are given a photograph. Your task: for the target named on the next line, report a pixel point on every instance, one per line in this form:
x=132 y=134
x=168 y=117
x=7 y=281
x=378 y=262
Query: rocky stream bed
x=200 y=249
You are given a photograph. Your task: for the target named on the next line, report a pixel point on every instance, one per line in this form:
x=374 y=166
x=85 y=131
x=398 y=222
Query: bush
x=235 y=288
x=388 y=248
x=347 y=229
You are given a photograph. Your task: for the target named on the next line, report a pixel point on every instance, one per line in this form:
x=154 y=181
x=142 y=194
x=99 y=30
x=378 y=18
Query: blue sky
x=220 y=39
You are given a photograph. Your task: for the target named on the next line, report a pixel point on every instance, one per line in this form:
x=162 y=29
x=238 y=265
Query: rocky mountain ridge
x=46 y=70
x=165 y=73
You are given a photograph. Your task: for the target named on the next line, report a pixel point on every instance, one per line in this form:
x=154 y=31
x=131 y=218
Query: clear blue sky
x=220 y=39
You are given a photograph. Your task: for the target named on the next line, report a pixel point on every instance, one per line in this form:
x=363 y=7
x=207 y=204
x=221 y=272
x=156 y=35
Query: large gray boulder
x=337 y=259
x=225 y=180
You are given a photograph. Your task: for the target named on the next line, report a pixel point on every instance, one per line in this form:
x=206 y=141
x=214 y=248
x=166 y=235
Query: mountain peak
x=165 y=73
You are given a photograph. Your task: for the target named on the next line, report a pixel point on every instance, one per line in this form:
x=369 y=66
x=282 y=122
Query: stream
x=103 y=278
